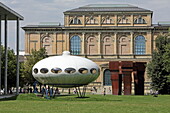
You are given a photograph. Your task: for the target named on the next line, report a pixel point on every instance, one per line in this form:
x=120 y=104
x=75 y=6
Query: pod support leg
x=80 y=93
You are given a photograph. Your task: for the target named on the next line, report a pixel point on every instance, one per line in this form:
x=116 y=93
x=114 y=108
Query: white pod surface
x=65 y=71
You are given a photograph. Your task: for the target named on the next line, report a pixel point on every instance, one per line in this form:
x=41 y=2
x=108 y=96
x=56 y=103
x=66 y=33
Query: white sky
x=35 y=11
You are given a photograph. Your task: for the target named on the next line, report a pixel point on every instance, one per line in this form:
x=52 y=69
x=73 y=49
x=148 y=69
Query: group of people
x=49 y=92
x=26 y=90
x=9 y=91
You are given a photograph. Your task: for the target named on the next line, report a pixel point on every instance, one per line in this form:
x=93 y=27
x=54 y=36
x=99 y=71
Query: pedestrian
x=30 y=90
x=104 y=92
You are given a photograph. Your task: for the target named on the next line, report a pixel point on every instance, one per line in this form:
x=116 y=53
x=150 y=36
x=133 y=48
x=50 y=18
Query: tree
x=157 y=68
x=11 y=75
x=166 y=58
x=30 y=62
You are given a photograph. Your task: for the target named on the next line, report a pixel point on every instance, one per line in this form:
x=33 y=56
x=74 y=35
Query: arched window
x=75 y=45
x=123 y=20
x=107 y=20
x=75 y=21
x=139 y=20
x=106 y=78
x=92 y=20
x=124 y=45
x=107 y=45
x=92 y=45
x=140 y=45
x=47 y=44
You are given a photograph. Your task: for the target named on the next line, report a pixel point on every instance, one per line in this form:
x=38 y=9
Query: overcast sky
x=35 y=11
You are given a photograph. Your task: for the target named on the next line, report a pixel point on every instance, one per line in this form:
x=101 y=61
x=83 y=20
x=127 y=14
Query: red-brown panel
x=127 y=79
x=125 y=64
x=115 y=83
x=141 y=66
x=114 y=65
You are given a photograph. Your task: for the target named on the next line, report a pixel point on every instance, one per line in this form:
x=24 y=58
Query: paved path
x=7 y=96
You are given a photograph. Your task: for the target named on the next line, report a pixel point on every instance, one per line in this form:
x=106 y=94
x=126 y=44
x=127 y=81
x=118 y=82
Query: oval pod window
x=83 y=70
x=35 y=70
x=70 y=70
x=44 y=70
x=93 y=71
x=56 y=70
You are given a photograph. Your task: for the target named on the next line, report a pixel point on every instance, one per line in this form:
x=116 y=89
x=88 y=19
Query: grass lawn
x=29 y=103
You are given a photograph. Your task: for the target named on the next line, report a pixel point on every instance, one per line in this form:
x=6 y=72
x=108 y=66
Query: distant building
x=100 y=32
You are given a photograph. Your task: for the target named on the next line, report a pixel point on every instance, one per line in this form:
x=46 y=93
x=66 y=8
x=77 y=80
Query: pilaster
x=116 y=20
x=99 y=43
x=100 y=20
x=115 y=43
x=131 y=43
x=83 y=44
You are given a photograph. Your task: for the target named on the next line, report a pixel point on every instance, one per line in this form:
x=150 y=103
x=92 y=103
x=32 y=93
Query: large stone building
x=100 y=32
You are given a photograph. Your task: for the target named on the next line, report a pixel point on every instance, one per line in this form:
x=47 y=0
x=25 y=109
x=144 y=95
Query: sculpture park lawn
x=30 y=103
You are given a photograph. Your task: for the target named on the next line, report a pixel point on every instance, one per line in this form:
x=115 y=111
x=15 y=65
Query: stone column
x=29 y=49
x=17 y=47
x=99 y=43
x=0 y=53
x=83 y=20
x=83 y=44
x=67 y=41
x=99 y=20
x=131 y=43
x=115 y=44
x=27 y=43
x=149 y=43
x=66 y=20
x=6 y=53
x=131 y=18
x=116 y=20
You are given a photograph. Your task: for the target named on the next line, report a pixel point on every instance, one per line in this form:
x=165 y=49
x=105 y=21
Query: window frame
x=75 y=45
x=109 y=83
x=75 y=21
x=140 y=45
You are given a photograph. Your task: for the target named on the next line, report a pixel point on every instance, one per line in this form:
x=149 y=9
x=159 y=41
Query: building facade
x=100 y=32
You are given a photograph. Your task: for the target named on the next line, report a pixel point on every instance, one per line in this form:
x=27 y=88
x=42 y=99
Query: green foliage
x=11 y=75
x=31 y=61
x=158 y=69
x=166 y=58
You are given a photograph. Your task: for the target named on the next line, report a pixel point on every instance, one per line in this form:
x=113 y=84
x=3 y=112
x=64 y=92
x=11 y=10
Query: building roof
x=164 y=23
x=45 y=25
x=42 y=26
x=108 y=8
x=12 y=15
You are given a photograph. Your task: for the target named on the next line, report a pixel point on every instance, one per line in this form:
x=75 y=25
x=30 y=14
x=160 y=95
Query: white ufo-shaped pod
x=65 y=71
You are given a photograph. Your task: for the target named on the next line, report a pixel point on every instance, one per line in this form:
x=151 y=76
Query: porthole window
x=44 y=70
x=70 y=70
x=56 y=70
x=35 y=70
x=83 y=70
x=93 y=71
